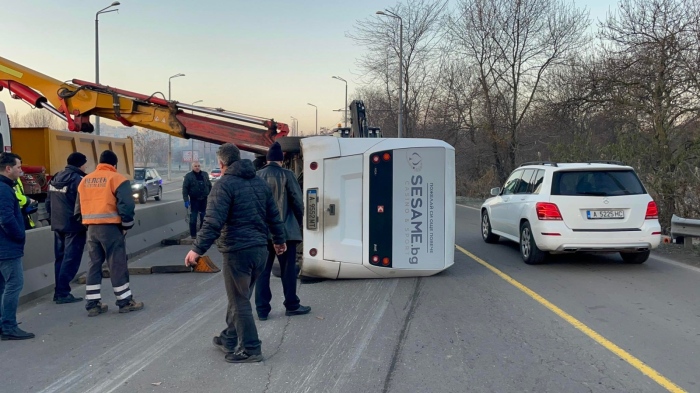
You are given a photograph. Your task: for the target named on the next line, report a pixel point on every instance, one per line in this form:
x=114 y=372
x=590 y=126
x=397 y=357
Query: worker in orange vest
x=106 y=207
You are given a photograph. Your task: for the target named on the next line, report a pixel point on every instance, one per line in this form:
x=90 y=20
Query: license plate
x=311 y=209
x=605 y=214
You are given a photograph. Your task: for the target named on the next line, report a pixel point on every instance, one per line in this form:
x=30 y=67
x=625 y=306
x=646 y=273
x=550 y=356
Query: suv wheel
x=635 y=257
x=142 y=196
x=531 y=254
x=159 y=196
x=486 y=233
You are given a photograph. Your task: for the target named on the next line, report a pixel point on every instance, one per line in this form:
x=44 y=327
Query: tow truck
x=374 y=207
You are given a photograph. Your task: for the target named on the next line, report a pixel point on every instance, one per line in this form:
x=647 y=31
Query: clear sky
x=267 y=58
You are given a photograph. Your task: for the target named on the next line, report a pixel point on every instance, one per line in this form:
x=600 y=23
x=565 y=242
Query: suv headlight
x=136 y=186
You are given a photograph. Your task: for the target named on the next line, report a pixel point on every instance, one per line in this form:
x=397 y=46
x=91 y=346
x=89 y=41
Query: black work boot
x=68 y=299
x=299 y=311
x=241 y=356
x=15 y=334
x=97 y=310
x=131 y=306
x=219 y=343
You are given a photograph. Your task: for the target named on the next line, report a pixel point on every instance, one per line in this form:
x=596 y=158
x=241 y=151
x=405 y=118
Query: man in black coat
x=69 y=232
x=240 y=213
x=287 y=194
x=195 y=190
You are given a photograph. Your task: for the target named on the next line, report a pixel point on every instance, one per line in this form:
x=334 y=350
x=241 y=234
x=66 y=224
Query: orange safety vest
x=98 y=203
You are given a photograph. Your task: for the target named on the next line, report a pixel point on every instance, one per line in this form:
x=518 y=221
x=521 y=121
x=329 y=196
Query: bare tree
x=381 y=37
x=512 y=46
x=149 y=146
x=37 y=118
x=649 y=70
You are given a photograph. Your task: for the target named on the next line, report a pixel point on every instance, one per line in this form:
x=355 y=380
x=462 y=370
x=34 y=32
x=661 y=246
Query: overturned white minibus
x=377 y=207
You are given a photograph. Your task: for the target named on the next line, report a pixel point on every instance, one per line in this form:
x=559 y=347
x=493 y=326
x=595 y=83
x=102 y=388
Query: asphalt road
x=490 y=323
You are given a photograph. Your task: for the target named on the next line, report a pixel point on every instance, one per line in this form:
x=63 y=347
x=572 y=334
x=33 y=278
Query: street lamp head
x=389 y=14
x=104 y=10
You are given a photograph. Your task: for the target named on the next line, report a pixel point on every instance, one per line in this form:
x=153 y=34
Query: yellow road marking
x=609 y=345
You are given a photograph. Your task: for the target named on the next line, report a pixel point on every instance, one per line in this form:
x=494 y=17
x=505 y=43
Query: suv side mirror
x=495 y=191
x=149 y=178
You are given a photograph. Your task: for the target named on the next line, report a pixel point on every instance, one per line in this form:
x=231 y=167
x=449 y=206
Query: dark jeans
x=241 y=269
x=288 y=267
x=68 y=249
x=11 y=283
x=197 y=208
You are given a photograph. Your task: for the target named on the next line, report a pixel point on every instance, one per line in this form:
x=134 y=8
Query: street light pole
x=316 y=117
x=170 y=137
x=97 y=53
x=192 y=140
x=393 y=15
x=346 y=98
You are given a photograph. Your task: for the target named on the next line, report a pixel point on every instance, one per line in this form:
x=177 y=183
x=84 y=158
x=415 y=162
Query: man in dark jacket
x=12 y=239
x=69 y=233
x=287 y=194
x=240 y=213
x=195 y=190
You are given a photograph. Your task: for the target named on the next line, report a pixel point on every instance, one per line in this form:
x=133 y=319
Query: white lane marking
x=367 y=294
x=349 y=369
x=468 y=207
x=674 y=263
x=122 y=361
x=177 y=189
x=149 y=354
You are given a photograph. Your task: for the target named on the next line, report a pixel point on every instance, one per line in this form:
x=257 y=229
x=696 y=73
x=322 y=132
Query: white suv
x=565 y=208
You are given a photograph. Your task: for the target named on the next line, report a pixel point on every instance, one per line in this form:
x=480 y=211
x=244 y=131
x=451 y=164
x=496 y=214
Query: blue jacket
x=240 y=212
x=63 y=191
x=12 y=235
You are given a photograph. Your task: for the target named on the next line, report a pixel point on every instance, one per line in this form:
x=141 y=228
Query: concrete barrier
x=153 y=224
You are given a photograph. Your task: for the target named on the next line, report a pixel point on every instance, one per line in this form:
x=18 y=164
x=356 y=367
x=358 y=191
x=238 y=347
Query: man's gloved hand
x=187 y=204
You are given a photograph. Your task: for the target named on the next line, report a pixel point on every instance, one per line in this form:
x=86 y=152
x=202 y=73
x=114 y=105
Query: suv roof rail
x=538 y=163
x=611 y=162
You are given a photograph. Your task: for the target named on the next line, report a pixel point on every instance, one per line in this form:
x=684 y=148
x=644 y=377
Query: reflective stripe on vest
x=100 y=215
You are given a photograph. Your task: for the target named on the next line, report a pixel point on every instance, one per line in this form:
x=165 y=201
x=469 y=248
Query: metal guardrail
x=682 y=227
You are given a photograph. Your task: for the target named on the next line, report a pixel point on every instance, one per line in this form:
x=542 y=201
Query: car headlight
x=136 y=186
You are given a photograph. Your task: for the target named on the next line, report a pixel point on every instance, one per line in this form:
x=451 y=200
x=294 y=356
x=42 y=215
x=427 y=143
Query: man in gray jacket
x=287 y=194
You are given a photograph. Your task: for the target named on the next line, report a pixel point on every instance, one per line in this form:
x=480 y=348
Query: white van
x=378 y=207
